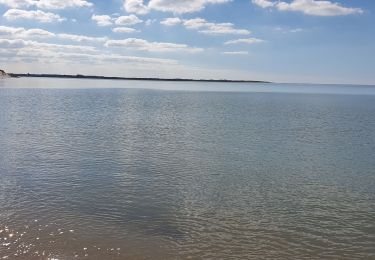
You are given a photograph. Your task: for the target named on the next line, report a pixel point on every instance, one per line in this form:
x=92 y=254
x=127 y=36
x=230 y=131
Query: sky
x=274 y=40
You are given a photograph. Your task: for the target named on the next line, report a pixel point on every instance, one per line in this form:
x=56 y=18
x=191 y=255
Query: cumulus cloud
x=37 y=33
x=38 y=15
x=173 y=6
x=67 y=48
x=143 y=45
x=39 y=46
x=124 y=30
x=128 y=20
x=171 y=21
x=46 y=4
x=22 y=33
x=106 y=20
x=202 y=26
x=81 y=38
x=19 y=50
x=5 y=30
x=244 y=41
x=182 y=6
x=102 y=20
x=135 y=6
x=309 y=7
x=263 y=3
x=11 y=44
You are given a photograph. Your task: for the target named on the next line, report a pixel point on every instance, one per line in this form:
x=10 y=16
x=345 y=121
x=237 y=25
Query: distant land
x=3 y=74
x=78 y=76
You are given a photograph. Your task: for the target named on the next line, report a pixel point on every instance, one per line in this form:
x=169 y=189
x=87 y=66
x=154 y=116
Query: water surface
x=167 y=170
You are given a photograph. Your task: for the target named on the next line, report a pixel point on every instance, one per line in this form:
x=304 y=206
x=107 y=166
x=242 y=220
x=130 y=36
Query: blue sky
x=284 y=41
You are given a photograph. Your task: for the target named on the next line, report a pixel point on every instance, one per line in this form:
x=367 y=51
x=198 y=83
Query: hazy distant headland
x=78 y=76
x=3 y=74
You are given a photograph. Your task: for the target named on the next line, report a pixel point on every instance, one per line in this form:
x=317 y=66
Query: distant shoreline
x=78 y=76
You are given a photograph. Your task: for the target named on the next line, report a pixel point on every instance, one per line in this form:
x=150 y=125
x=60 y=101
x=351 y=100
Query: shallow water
x=153 y=170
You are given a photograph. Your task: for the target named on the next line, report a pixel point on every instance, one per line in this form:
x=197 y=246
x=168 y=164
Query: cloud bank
x=309 y=7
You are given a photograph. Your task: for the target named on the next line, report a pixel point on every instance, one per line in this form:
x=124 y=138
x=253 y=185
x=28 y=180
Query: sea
x=116 y=169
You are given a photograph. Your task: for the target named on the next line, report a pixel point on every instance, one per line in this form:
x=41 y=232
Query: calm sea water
x=166 y=170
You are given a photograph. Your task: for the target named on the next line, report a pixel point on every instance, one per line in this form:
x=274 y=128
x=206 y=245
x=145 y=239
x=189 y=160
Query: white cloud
x=263 y=3
x=46 y=4
x=5 y=30
x=22 y=33
x=171 y=21
x=16 y=3
x=35 y=46
x=128 y=20
x=202 y=26
x=135 y=6
x=223 y=28
x=44 y=17
x=182 y=6
x=205 y=27
x=310 y=7
x=236 y=52
x=37 y=33
x=195 y=23
x=81 y=38
x=143 y=45
x=102 y=20
x=173 y=6
x=61 y=47
x=122 y=58
x=320 y=8
x=106 y=20
x=244 y=41
x=124 y=30
x=11 y=44
x=59 y=4
x=44 y=53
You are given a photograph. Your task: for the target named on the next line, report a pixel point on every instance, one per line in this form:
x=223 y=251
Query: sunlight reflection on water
x=111 y=173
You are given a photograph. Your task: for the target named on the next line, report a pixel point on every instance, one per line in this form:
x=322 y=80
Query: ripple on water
x=48 y=241
x=138 y=174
